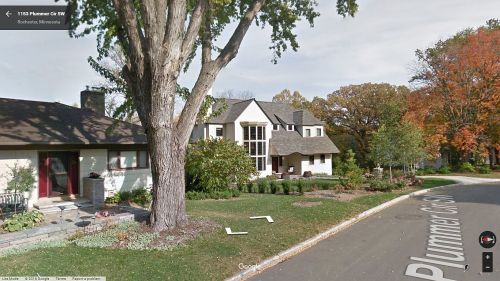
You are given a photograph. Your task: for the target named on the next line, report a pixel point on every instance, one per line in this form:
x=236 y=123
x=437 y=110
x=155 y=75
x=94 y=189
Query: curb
x=297 y=249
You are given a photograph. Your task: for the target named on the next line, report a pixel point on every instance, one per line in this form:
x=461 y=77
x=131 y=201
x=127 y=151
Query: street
x=395 y=244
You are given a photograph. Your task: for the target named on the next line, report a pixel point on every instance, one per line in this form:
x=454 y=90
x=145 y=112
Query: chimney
x=92 y=99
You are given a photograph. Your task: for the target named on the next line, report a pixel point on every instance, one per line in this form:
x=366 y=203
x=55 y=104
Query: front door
x=58 y=173
x=275 y=164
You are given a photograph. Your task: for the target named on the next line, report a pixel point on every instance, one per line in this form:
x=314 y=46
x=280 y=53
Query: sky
x=377 y=45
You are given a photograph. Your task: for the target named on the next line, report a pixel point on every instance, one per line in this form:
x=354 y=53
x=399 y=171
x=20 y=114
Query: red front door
x=58 y=173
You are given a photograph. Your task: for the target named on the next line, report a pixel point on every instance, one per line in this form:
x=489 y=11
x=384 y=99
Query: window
x=290 y=127
x=311 y=160
x=276 y=127
x=219 y=132
x=254 y=141
x=128 y=160
x=318 y=132
x=322 y=157
x=308 y=132
x=280 y=161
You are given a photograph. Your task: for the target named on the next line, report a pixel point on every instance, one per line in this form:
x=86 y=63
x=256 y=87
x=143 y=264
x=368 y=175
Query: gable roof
x=285 y=143
x=24 y=122
x=278 y=113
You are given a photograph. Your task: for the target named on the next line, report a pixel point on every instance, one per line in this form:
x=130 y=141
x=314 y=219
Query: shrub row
x=226 y=194
x=286 y=186
x=463 y=168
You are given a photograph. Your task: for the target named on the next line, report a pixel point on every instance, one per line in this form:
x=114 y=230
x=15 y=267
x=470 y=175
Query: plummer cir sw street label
x=444 y=245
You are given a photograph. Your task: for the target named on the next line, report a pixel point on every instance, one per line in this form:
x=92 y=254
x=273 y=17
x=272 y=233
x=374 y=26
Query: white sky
x=377 y=45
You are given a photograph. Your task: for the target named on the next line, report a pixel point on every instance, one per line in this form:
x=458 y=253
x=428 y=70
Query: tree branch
x=173 y=38
x=128 y=20
x=231 y=49
x=193 y=29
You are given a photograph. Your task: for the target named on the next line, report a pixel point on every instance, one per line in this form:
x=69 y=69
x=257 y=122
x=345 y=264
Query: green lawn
x=492 y=175
x=213 y=256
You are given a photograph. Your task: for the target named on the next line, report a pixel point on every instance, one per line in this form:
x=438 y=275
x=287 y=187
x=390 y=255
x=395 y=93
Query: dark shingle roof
x=234 y=109
x=25 y=122
x=278 y=113
x=287 y=142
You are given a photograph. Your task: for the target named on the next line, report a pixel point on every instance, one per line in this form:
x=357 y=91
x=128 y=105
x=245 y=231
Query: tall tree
x=159 y=39
x=458 y=99
x=295 y=100
x=358 y=110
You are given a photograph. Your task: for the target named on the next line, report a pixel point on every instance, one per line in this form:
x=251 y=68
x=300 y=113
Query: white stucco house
x=64 y=144
x=279 y=139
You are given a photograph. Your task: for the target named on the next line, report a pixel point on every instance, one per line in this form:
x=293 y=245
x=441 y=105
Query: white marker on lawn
x=230 y=232
x=269 y=219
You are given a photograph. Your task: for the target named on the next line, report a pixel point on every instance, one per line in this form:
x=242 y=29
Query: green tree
x=351 y=175
x=22 y=180
x=160 y=39
x=400 y=144
x=295 y=100
x=212 y=165
x=355 y=112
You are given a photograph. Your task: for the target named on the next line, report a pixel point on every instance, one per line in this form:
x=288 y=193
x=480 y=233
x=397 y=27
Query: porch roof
x=288 y=142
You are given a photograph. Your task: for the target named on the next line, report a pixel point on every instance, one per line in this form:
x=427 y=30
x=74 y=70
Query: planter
x=93 y=189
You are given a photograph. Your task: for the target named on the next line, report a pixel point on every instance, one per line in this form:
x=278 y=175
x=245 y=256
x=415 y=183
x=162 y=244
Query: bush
x=22 y=221
x=381 y=185
x=300 y=186
x=212 y=165
x=444 y=170
x=273 y=186
x=240 y=187
x=262 y=186
x=249 y=187
x=351 y=175
x=141 y=196
x=484 y=169
x=467 y=167
x=115 y=199
x=125 y=196
x=286 y=186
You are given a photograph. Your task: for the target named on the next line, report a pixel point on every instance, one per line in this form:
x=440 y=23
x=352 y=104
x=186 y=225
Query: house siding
x=95 y=160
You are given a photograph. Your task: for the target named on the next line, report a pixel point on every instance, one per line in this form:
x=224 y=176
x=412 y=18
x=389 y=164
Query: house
x=279 y=138
x=64 y=144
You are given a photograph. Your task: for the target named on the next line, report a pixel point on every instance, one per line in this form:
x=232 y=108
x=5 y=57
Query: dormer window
x=276 y=127
x=308 y=132
x=290 y=127
x=319 y=132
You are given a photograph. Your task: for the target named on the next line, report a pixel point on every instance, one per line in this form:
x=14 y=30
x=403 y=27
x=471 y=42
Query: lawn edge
x=302 y=246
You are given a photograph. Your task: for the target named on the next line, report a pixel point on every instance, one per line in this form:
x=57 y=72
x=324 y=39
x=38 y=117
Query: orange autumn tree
x=457 y=100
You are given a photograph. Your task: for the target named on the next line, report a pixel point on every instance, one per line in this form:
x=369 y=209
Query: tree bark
x=167 y=159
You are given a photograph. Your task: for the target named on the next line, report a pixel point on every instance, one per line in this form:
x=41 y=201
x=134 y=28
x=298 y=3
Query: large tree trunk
x=167 y=160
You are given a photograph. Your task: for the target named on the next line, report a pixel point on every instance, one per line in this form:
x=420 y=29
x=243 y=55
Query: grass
x=214 y=256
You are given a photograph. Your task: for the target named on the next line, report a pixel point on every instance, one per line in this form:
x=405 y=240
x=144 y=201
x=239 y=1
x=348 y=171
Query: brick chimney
x=92 y=99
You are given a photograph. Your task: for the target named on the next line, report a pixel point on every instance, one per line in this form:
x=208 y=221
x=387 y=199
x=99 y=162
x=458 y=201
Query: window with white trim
x=290 y=128
x=308 y=132
x=318 y=132
x=322 y=158
x=219 y=132
x=311 y=160
x=254 y=140
x=276 y=127
x=128 y=159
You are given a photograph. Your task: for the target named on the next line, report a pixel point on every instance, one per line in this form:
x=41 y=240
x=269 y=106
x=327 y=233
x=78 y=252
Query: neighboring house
x=64 y=144
x=278 y=137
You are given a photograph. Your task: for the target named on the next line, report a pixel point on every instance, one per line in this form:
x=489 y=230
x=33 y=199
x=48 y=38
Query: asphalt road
x=379 y=248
